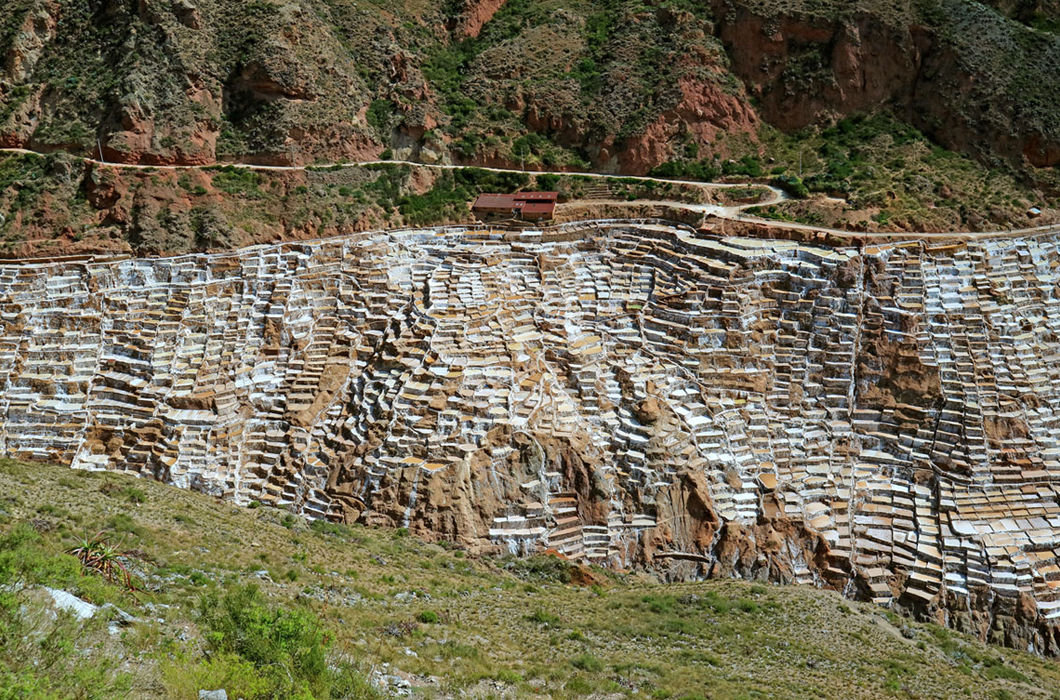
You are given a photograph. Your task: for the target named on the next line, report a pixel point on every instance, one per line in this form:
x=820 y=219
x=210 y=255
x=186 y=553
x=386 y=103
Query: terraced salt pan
x=362 y=373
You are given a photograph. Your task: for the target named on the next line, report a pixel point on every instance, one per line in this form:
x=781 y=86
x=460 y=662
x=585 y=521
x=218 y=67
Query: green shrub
x=428 y=617
x=794 y=186
x=455 y=650
x=241 y=181
x=696 y=170
x=24 y=558
x=481 y=180
x=660 y=603
x=587 y=662
x=547 y=182
x=540 y=568
x=326 y=527
x=544 y=618
x=717 y=603
x=286 y=650
x=747 y=165
x=380 y=115
x=184 y=677
x=134 y=495
x=996 y=668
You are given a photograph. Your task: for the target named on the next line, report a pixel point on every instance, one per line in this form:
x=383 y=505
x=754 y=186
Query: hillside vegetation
x=964 y=128
x=267 y=605
x=621 y=84
x=58 y=205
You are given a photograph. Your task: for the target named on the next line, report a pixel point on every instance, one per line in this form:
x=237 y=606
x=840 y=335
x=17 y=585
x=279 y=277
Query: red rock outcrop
x=705 y=114
x=474 y=15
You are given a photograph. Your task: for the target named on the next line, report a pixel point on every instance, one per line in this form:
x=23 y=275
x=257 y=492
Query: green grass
x=238 y=181
x=514 y=624
x=894 y=177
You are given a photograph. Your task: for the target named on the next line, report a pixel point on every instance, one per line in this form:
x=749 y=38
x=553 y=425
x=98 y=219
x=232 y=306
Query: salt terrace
x=549 y=388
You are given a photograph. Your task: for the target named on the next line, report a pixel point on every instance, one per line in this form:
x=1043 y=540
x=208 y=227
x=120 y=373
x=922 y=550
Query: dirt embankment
x=586 y=210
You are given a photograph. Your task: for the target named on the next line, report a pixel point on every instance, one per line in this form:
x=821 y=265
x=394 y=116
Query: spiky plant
x=98 y=555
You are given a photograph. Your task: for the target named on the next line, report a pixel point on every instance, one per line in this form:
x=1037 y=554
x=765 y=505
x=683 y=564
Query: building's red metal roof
x=536 y=204
x=495 y=201
x=538 y=208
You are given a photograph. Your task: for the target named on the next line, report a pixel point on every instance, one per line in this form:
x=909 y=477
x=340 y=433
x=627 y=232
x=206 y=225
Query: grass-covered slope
x=266 y=605
x=877 y=174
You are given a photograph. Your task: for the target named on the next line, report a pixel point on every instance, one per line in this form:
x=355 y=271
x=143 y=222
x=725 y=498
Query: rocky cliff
x=940 y=68
x=879 y=422
x=624 y=84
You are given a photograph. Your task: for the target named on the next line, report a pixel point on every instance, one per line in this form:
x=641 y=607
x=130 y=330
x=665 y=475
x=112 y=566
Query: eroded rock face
x=881 y=422
x=705 y=113
x=805 y=69
x=177 y=75
x=186 y=82
x=474 y=14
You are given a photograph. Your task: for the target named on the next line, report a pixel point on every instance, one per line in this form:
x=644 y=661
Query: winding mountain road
x=732 y=213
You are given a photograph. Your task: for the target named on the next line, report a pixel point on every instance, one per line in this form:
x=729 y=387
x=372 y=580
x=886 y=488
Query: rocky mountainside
x=622 y=85
x=880 y=422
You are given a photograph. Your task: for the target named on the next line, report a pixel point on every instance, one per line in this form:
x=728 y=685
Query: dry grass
x=456 y=624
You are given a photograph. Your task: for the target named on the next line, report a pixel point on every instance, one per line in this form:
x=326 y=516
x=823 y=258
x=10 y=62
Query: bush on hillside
x=285 y=651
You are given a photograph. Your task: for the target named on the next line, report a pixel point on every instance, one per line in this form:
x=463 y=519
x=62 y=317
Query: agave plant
x=99 y=556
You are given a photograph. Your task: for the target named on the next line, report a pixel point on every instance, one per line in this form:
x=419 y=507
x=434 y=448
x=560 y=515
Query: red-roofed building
x=529 y=206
